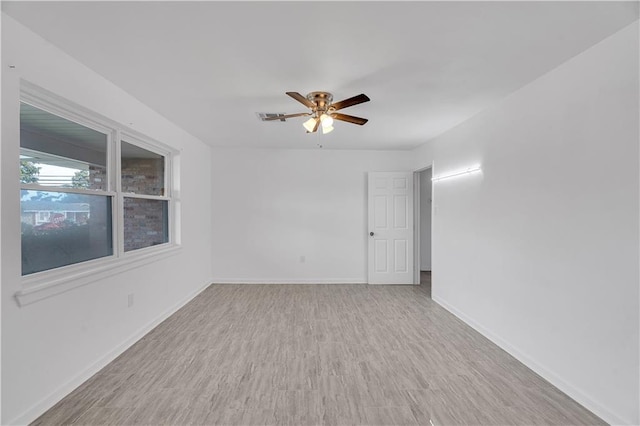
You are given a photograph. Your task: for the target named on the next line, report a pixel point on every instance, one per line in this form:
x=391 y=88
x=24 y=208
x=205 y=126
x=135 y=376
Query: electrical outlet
x=303 y=259
x=130 y=300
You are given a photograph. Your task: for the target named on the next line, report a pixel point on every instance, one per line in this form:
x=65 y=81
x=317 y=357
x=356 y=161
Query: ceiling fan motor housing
x=322 y=101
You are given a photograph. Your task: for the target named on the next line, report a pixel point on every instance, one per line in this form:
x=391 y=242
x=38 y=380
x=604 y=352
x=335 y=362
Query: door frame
x=416 y=221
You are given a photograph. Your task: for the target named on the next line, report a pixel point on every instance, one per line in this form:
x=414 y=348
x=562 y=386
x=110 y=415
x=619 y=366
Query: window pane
x=142 y=170
x=145 y=223
x=60 y=229
x=60 y=153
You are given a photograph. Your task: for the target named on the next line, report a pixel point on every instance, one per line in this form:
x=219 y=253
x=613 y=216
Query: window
x=43 y=216
x=145 y=223
x=61 y=241
x=89 y=190
x=146 y=219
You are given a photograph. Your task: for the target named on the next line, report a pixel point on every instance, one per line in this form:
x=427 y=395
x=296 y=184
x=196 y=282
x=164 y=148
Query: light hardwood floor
x=316 y=354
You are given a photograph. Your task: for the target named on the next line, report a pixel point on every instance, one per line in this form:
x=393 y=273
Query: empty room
x=320 y=213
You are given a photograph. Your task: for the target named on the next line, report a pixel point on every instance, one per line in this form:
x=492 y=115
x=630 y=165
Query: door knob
x=371 y=233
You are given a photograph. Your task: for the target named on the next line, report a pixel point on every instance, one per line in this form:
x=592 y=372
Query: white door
x=391 y=228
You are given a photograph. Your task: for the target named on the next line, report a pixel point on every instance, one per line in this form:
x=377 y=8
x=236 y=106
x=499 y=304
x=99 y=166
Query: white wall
x=540 y=251
x=52 y=345
x=425 y=220
x=273 y=206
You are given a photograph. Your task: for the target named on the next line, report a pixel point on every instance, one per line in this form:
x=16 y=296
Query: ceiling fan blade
x=282 y=117
x=304 y=101
x=350 y=102
x=349 y=118
x=315 y=128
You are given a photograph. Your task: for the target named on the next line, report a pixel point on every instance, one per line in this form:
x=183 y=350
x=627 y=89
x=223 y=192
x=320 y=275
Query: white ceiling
x=427 y=66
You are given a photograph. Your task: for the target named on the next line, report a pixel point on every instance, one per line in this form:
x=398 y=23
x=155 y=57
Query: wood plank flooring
x=311 y=355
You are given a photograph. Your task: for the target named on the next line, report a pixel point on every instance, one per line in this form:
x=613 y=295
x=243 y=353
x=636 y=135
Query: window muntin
x=52 y=238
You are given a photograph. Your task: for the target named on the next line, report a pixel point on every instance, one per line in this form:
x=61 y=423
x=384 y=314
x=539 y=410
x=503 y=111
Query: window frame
x=43 y=284
x=131 y=139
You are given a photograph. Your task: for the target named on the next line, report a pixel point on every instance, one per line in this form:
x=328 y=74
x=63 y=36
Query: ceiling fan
x=323 y=110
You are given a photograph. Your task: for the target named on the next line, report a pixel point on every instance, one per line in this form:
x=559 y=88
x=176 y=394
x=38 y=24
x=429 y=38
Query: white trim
x=50 y=400
x=141 y=141
x=146 y=197
x=111 y=164
x=417 y=207
x=42 y=285
x=168 y=174
x=417 y=261
x=172 y=219
x=175 y=203
x=118 y=218
x=42 y=188
x=288 y=281
x=551 y=376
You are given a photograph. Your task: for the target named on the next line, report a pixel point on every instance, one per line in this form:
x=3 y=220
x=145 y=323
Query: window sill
x=43 y=285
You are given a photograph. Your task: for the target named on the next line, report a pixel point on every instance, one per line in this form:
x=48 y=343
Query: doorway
x=391 y=221
x=423 y=225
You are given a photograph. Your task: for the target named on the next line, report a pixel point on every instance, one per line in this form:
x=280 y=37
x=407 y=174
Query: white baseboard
x=552 y=377
x=54 y=397
x=287 y=281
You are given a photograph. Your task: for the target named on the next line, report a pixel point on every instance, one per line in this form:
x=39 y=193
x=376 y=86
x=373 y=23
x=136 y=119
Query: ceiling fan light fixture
x=326 y=120
x=310 y=124
x=327 y=123
x=326 y=129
